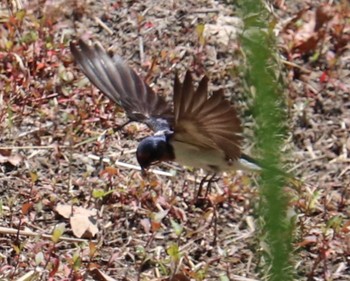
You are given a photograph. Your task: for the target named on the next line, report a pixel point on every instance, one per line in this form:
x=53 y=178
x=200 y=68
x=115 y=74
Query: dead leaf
x=14 y=160
x=5 y=152
x=323 y=15
x=155 y=226
x=346 y=227
x=83 y=225
x=179 y=213
x=26 y=207
x=310 y=43
x=146 y=224
x=179 y=277
x=307 y=241
x=100 y=276
x=82 y=220
x=64 y=210
x=110 y=171
x=216 y=199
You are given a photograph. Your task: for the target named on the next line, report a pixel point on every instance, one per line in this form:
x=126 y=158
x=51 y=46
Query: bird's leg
x=215 y=221
x=201 y=185
x=210 y=181
x=100 y=167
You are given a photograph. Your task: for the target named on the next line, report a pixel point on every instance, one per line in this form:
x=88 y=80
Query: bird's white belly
x=210 y=160
x=190 y=155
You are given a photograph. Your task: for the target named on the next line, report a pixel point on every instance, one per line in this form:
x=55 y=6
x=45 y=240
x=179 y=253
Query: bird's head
x=152 y=150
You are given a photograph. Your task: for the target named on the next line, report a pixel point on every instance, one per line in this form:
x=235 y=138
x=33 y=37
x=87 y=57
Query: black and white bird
x=200 y=131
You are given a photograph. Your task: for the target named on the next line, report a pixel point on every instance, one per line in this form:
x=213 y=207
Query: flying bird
x=199 y=130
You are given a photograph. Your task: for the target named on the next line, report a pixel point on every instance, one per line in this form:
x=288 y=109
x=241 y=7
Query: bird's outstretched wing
x=114 y=78
x=209 y=123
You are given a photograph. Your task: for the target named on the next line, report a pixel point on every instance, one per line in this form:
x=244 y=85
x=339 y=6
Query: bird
x=199 y=130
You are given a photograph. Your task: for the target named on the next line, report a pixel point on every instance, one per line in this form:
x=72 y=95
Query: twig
x=205 y=11
x=46 y=97
x=129 y=151
x=241 y=278
x=130 y=166
x=105 y=27
x=305 y=162
x=6 y=230
x=296 y=66
x=32 y=147
x=146 y=11
x=141 y=49
x=343 y=172
x=35 y=130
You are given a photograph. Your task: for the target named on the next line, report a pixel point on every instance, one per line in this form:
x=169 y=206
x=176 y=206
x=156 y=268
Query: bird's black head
x=152 y=150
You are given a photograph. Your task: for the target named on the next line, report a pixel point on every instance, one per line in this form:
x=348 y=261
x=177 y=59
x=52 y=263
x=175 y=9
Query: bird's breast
x=208 y=159
x=197 y=157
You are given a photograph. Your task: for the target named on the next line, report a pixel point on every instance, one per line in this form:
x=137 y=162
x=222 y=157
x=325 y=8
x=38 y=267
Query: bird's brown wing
x=115 y=79
x=210 y=123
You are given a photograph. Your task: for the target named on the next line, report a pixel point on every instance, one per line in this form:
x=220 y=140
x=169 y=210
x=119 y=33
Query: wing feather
x=210 y=123
x=115 y=79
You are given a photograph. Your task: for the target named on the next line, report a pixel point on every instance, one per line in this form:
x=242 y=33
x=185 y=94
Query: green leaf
x=200 y=30
x=224 y=278
x=34 y=176
x=76 y=260
x=335 y=223
x=20 y=15
x=314 y=199
x=100 y=193
x=174 y=252
x=177 y=227
x=39 y=257
x=58 y=231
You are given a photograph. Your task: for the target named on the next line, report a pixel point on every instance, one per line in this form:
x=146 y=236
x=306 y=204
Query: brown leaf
x=155 y=226
x=81 y=220
x=346 y=227
x=310 y=44
x=179 y=213
x=216 y=199
x=100 y=276
x=110 y=171
x=179 y=277
x=92 y=249
x=5 y=152
x=26 y=207
x=308 y=240
x=323 y=15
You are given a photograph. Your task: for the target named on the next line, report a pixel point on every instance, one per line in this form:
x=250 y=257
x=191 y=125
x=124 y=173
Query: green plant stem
x=259 y=46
